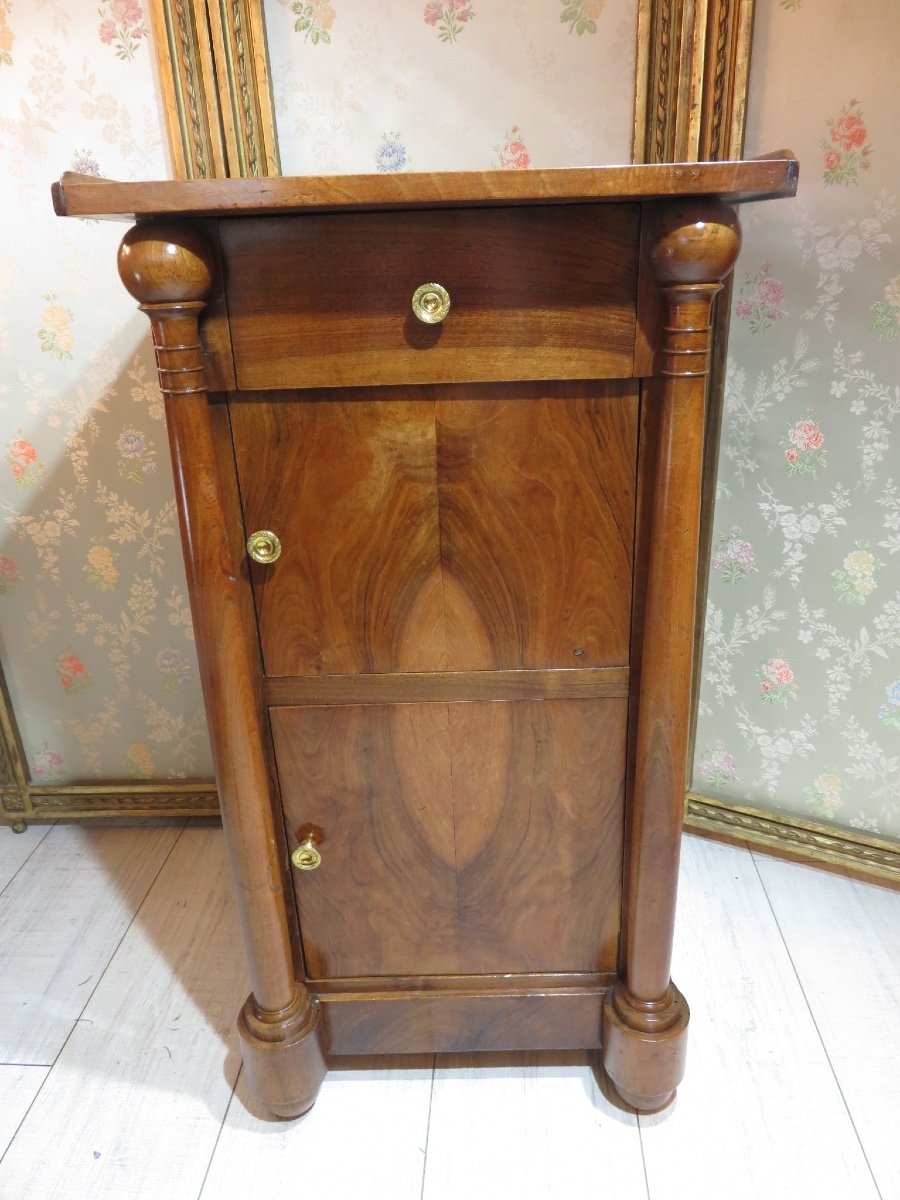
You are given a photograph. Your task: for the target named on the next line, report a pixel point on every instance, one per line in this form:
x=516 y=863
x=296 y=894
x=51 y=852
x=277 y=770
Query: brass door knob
x=306 y=857
x=431 y=303
x=264 y=546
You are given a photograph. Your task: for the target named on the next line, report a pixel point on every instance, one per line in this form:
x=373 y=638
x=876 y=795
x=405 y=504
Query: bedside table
x=437 y=447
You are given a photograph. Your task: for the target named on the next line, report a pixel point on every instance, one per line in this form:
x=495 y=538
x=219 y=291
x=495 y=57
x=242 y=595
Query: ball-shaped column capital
x=166 y=262
x=694 y=240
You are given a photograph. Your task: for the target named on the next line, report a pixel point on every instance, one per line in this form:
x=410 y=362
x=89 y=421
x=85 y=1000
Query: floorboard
x=530 y=1126
x=759 y=1114
x=365 y=1137
x=134 y=1104
x=17 y=848
x=18 y=1087
x=844 y=940
x=791 y=1088
x=61 y=918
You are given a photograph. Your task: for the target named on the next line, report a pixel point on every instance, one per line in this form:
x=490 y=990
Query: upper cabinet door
x=441 y=529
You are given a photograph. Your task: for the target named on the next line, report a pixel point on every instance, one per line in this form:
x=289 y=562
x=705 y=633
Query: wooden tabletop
x=764 y=178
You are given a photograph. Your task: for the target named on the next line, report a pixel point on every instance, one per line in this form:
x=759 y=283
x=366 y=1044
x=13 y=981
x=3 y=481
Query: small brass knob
x=264 y=546
x=431 y=303
x=306 y=857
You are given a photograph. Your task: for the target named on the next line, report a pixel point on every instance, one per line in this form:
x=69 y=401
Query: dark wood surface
x=530 y=295
x=446 y=529
x=462 y=1017
x=456 y=839
x=476 y=648
x=757 y=179
x=592 y=683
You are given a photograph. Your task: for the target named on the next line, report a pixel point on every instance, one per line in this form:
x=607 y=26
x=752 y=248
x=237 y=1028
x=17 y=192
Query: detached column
x=692 y=246
x=168 y=267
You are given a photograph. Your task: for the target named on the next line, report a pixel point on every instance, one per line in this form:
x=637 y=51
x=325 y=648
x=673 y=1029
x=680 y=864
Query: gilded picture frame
x=690 y=95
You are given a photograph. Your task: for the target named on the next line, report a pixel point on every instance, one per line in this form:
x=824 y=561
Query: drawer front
x=535 y=293
x=471 y=838
x=442 y=529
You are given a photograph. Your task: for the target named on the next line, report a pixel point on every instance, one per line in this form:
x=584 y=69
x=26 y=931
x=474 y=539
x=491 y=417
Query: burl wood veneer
x=457 y=701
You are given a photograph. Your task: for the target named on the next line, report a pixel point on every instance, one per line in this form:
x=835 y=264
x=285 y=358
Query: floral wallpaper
x=800 y=699
x=94 y=625
x=426 y=85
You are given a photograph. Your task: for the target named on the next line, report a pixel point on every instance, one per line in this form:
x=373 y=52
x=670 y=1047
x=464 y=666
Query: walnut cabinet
x=436 y=443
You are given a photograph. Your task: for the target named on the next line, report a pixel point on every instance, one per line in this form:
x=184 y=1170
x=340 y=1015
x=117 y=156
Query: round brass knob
x=264 y=546
x=431 y=303
x=306 y=857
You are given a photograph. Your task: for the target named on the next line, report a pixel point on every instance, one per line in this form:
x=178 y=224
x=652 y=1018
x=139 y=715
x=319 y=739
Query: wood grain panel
x=349 y=486
x=456 y=838
x=535 y=294
x=770 y=176
x=537 y=494
x=538 y=796
x=448 y=686
x=373 y=783
x=406 y=1023
x=460 y=528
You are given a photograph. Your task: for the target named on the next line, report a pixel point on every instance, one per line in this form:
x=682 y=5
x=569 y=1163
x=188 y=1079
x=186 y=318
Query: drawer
x=536 y=293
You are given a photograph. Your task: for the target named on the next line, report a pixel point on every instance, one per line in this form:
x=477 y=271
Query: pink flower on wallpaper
x=771 y=293
x=760 y=301
x=27 y=469
x=806 y=435
x=72 y=673
x=733 y=556
x=717 y=766
x=513 y=154
x=22 y=451
x=126 y=12
x=449 y=17
x=48 y=765
x=803 y=451
x=849 y=130
x=9 y=573
x=846 y=150
x=776 y=683
x=122 y=25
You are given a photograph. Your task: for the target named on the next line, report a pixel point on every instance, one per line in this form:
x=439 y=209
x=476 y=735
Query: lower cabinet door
x=464 y=838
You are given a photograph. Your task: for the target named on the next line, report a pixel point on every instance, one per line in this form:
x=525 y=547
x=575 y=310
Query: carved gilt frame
x=690 y=96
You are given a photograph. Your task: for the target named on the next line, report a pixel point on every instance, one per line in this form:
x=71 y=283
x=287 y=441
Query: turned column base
x=644 y=1047
x=283 y=1055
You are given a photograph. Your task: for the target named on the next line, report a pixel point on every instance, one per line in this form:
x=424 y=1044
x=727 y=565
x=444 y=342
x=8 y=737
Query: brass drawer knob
x=264 y=546
x=431 y=303
x=306 y=857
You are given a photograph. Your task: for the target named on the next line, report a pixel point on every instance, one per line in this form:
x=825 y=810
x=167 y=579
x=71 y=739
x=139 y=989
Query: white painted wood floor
x=121 y=975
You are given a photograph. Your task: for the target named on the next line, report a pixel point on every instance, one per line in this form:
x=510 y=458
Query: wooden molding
x=246 y=107
x=692 y=69
x=213 y=70
x=792 y=838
